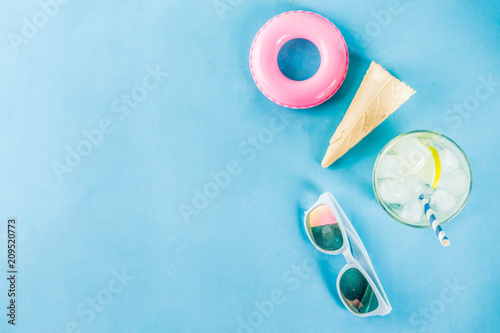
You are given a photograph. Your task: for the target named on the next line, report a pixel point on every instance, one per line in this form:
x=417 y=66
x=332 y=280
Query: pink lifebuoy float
x=264 y=59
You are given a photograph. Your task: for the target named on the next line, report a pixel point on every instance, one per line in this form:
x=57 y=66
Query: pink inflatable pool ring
x=264 y=59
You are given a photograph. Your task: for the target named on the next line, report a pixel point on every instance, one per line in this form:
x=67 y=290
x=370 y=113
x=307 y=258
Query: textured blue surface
x=117 y=210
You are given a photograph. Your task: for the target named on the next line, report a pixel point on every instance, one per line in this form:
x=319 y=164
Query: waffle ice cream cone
x=379 y=95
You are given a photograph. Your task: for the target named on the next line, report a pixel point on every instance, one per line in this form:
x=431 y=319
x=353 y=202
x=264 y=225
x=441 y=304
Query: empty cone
x=378 y=96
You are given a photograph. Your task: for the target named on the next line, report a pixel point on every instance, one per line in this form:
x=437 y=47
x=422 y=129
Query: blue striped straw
x=429 y=213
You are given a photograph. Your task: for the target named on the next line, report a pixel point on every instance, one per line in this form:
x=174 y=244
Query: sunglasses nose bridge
x=346 y=252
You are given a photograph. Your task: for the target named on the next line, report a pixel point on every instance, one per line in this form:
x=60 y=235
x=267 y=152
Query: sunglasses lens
x=324 y=228
x=357 y=292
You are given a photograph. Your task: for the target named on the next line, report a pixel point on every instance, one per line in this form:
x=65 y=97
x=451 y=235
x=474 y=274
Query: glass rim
x=385 y=206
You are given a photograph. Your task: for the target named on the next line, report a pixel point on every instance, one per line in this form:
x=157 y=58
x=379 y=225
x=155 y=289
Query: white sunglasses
x=331 y=232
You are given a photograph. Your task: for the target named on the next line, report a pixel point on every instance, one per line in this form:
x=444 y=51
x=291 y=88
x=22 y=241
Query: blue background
x=118 y=210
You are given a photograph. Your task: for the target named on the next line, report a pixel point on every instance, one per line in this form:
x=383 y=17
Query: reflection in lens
x=324 y=228
x=357 y=292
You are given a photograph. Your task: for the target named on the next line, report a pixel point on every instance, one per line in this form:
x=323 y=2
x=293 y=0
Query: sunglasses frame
x=363 y=264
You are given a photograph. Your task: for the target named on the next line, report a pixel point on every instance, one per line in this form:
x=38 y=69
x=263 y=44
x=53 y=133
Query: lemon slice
x=437 y=168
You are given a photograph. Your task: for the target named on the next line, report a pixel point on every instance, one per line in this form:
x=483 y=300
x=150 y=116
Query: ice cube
x=456 y=183
x=449 y=161
x=412 y=211
x=442 y=201
x=415 y=186
x=389 y=167
x=393 y=192
x=414 y=157
x=405 y=143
